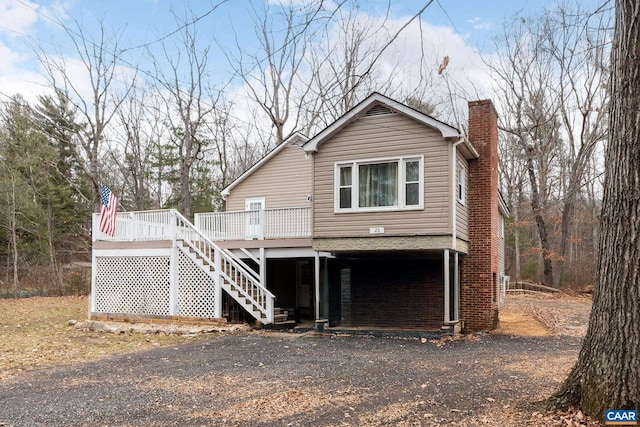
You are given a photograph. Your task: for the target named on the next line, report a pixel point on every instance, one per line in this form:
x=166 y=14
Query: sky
x=456 y=28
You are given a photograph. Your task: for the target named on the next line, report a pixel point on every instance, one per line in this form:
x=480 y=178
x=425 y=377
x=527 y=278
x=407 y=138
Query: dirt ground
x=266 y=378
x=538 y=314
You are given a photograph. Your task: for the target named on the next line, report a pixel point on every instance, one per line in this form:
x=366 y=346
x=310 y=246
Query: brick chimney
x=479 y=272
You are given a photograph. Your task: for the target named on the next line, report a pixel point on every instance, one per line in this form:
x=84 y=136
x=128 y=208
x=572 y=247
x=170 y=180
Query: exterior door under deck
x=254 y=227
x=292 y=282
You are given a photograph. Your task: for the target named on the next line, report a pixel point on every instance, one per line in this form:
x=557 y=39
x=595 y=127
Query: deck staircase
x=224 y=271
x=233 y=276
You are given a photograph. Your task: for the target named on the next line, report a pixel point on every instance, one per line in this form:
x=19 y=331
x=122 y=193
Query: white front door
x=254 y=227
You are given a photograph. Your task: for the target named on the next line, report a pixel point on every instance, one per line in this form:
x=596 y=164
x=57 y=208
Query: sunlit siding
x=284 y=181
x=462 y=210
x=375 y=137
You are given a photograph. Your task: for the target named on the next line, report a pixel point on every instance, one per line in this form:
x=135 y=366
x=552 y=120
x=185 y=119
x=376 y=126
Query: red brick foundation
x=479 y=270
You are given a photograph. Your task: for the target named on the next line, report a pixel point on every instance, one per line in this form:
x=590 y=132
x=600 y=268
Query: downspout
x=316 y=260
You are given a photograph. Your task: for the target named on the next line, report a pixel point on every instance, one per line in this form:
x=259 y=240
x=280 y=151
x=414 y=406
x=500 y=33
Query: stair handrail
x=186 y=230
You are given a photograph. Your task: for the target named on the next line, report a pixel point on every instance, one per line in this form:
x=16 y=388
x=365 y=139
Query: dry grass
x=35 y=334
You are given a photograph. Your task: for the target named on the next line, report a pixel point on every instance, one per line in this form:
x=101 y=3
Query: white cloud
x=20 y=27
x=16 y=77
x=10 y=59
x=17 y=17
x=412 y=63
x=57 y=11
x=480 y=24
x=303 y=3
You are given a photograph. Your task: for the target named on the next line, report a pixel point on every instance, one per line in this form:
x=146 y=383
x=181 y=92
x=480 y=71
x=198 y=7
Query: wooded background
x=169 y=135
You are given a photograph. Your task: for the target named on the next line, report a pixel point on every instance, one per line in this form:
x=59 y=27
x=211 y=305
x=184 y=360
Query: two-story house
x=388 y=218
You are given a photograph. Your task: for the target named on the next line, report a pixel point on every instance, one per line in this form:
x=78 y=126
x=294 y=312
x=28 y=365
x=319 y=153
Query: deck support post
x=94 y=272
x=456 y=286
x=316 y=263
x=447 y=287
x=217 y=278
x=263 y=267
x=173 y=279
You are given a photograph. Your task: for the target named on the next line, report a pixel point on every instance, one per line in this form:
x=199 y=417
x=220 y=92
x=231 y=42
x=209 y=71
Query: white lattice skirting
x=196 y=290
x=143 y=285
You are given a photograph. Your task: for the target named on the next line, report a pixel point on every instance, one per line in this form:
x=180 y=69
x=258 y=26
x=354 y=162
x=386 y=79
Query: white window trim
x=250 y=200
x=355 y=184
x=461 y=176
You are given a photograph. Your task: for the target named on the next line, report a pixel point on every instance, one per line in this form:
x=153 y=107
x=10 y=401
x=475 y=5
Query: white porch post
x=456 y=286
x=92 y=296
x=217 y=291
x=263 y=278
x=173 y=267
x=173 y=279
x=447 y=288
x=316 y=263
x=263 y=268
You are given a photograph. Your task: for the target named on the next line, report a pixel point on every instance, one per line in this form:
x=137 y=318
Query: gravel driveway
x=285 y=379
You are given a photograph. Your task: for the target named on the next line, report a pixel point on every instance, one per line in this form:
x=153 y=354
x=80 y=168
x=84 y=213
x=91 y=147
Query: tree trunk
x=14 y=239
x=568 y=211
x=516 y=232
x=57 y=277
x=185 y=190
x=541 y=224
x=607 y=373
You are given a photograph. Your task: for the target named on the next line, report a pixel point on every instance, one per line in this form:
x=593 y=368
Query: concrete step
x=287 y=324
x=280 y=318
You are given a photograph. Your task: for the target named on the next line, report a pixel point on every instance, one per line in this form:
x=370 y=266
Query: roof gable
x=297 y=139
x=377 y=104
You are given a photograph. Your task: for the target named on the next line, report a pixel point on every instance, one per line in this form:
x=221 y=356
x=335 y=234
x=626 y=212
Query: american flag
x=108 y=209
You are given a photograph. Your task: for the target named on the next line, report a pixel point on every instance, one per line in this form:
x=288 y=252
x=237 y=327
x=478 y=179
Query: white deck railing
x=141 y=225
x=260 y=224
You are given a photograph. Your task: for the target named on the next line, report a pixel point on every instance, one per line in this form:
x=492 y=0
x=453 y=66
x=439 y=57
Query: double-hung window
x=346 y=187
x=461 y=183
x=379 y=184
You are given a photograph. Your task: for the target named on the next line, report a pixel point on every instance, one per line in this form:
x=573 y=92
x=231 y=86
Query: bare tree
x=272 y=75
x=9 y=210
x=343 y=65
x=524 y=79
x=512 y=175
x=552 y=75
x=140 y=132
x=224 y=151
x=607 y=373
x=578 y=42
x=181 y=74
x=109 y=83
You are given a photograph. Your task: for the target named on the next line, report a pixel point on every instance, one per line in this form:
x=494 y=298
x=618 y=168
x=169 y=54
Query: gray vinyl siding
x=284 y=181
x=462 y=210
x=378 y=137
